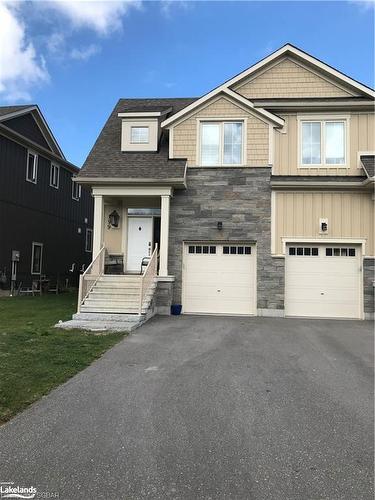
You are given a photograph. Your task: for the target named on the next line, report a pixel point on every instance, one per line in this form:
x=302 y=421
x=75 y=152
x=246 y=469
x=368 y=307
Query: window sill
x=307 y=167
x=228 y=166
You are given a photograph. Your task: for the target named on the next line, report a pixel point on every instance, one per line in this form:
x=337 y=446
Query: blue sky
x=76 y=59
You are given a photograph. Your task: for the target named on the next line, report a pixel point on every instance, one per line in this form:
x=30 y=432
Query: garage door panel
x=219 y=283
x=323 y=285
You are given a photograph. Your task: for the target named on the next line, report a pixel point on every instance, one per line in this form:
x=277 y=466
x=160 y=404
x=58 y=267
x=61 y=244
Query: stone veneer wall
x=241 y=199
x=368 y=288
x=164 y=297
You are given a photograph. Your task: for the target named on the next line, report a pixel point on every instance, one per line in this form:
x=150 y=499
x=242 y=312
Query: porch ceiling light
x=113 y=219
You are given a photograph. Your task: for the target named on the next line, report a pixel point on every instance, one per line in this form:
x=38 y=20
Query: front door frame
x=132 y=217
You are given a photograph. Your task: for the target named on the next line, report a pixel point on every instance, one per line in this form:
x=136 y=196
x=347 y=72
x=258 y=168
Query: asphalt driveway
x=207 y=408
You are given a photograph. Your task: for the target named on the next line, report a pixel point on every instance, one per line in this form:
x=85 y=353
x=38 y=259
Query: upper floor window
x=323 y=142
x=31 y=167
x=221 y=143
x=54 y=176
x=139 y=135
x=76 y=191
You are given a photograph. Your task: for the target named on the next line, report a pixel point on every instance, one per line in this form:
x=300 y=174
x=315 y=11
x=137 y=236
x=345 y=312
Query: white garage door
x=323 y=281
x=219 y=279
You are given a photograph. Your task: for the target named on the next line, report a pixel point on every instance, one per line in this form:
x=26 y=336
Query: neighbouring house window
x=323 y=142
x=36 y=258
x=54 y=176
x=139 y=135
x=32 y=166
x=88 y=243
x=76 y=191
x=221 y=143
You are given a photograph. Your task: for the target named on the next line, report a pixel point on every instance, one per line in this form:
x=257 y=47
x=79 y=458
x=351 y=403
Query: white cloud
x=20 y=67
x=103 y=17
x=364 y=5
x=168 y=5
x=84 y=53
x=55 y=43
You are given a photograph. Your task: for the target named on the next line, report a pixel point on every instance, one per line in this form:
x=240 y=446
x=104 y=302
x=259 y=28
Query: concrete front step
x=121 y=278
x=113 y=285
x=111 y=309
x=100 y=326
x=109 y=299
x=129 y=318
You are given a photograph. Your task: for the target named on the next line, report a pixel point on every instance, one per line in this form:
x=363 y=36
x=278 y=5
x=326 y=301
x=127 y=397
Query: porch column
x=164 y=235
x=98 y=225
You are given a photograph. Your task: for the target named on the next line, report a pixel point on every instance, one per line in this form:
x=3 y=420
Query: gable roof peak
x=9 y=112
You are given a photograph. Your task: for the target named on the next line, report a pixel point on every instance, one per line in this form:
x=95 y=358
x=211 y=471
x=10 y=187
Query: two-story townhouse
x=259 y=197
x=46 y=219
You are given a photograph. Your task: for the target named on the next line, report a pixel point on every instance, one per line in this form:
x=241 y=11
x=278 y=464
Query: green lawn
x=34 y=356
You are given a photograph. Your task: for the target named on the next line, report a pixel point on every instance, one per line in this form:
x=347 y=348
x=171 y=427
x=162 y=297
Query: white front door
x=139 y=241
x=219 y=278
x=323 y=280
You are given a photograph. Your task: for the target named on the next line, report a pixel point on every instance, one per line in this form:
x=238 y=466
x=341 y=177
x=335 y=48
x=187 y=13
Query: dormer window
x=140 y=128
x=140 y=135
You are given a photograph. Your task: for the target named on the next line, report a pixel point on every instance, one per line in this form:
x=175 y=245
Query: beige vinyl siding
x=288 y=79
x=257 y=141
x=361 y=132
x=113 y=236
x=350 y=215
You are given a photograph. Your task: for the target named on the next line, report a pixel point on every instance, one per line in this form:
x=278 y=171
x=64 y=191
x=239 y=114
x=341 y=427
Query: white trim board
x=321 y=241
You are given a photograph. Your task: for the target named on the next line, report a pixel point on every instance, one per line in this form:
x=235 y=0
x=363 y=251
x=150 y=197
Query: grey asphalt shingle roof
x=368 y=162
x=5 y=110
x=107 y=160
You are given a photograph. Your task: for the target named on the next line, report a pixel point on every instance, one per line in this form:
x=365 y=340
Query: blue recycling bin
x=176 y=309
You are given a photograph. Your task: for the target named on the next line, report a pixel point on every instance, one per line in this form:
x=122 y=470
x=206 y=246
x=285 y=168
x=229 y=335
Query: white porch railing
x=148 y=278
x=88 y=279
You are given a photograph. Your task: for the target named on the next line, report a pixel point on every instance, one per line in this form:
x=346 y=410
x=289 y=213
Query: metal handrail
x=88 y=279
x=147 y=278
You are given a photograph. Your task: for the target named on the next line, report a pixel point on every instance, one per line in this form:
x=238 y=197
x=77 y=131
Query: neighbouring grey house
x=254 y=199
x=46 y=219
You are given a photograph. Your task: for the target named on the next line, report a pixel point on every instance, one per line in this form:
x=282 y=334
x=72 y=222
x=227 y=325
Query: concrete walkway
x=207 y=408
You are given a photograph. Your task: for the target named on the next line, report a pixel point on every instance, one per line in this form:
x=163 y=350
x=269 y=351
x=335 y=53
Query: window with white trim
x=304 y=251
x=31 y=167
x=36 y=258
x=340 y=252
x=88 y=240
x=221 y=143
x=76 y=191
x=54 y=176
x=139 y=135
x=323 y=142
x=202 y=249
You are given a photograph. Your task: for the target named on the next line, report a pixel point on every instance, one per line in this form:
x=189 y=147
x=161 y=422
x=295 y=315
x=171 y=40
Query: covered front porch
x=130 y=249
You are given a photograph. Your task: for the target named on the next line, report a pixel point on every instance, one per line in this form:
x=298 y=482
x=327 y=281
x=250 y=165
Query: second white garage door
x=219 y=279
x=323 y=281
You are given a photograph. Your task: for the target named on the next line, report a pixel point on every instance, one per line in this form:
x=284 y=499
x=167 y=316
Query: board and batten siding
x=361 y=132
x=350 y=215
x=257 y=141
x=288 y=79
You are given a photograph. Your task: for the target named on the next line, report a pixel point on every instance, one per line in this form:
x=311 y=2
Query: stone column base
x=164 y=295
